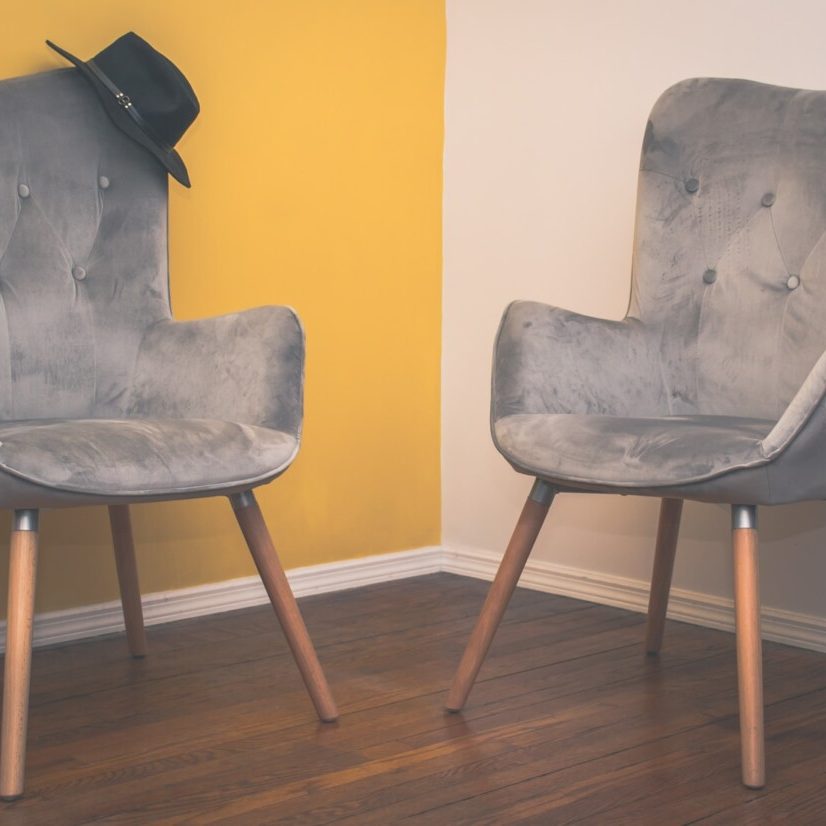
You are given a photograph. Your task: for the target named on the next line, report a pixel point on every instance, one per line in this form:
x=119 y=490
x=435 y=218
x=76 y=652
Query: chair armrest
x=795 y=448
x=548 y=360
x=246 y=367
x=800 y=410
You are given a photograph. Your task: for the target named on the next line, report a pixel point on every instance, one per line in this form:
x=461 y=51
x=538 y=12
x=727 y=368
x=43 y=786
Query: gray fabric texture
x=103 y=396
x=713 y=386
x=142 y=457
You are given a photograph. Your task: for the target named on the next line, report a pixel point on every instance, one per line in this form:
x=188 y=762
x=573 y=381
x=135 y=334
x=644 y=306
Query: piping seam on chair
x=255 y=480
x=761 y=460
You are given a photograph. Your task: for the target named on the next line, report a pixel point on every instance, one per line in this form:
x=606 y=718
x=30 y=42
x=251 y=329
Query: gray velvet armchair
x=713 y=388
x=104 y=398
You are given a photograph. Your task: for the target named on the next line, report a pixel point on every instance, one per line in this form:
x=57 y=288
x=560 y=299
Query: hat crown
x=156 y=87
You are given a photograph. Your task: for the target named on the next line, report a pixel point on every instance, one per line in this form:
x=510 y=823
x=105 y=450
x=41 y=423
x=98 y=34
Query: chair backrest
x=83 y=250
x=730 y=245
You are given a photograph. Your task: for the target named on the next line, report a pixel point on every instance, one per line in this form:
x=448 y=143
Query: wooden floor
x=570 y=722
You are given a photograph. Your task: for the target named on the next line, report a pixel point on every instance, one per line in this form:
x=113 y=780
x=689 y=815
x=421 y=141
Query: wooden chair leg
x=513 y=562
x=130 y=592
x=18 y=658
x=749 y=653
x=666 y=549
x=283 y=602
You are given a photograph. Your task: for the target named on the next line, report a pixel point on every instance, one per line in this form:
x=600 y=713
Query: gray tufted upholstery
x=103 y=397
x=712 y=387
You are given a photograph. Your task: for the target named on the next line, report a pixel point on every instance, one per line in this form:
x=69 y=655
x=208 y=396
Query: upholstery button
x=23 y=191
x=793 y=282
x=710 y=276
x=78 y=273
x=768 y=199
x=692 y=185
x=103 y=182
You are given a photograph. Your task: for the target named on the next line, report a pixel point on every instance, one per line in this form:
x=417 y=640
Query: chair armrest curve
x=808 y=400
x=550 y=360
x=246 y=367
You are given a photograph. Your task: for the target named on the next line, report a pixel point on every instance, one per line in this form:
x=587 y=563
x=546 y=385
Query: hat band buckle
x=126 y=102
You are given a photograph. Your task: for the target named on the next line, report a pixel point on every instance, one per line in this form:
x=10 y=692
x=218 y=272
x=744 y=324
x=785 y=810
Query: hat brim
x=121 y=118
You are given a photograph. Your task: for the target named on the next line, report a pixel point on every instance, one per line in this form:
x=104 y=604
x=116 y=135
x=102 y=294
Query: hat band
x=128 y=106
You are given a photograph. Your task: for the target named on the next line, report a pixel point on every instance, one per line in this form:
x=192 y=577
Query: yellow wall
x=316 y=169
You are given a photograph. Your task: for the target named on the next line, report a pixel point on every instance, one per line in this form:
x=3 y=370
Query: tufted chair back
x=83 y=251
x=729 y=266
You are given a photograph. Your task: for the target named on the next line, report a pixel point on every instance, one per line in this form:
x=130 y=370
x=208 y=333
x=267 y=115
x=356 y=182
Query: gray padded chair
x=104 y=398
x=713 y=388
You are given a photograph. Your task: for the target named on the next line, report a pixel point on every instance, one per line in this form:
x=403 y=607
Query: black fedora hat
x=144 y=94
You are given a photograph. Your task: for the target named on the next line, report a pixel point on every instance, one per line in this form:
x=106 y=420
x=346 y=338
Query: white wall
x=545 y=108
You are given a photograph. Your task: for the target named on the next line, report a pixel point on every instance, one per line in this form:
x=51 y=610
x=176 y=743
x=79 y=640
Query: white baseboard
x=231 y=595
x=778 y=625
x=802 y=630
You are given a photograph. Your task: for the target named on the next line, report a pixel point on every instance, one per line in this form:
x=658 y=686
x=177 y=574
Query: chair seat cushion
x=631 y=452
x=137 y=457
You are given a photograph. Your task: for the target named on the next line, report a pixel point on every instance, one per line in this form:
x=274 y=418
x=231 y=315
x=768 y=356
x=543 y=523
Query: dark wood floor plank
x=253 y=633
x=659 y=781
x=357 y=666
x=557 y=737
x=569 y=721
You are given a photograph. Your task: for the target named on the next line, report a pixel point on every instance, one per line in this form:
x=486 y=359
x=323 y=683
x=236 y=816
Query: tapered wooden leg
x=18 y=658
x=666 y=549
x=749 y=654
x=516 y=555
x=130 y=592
x=283 y=602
